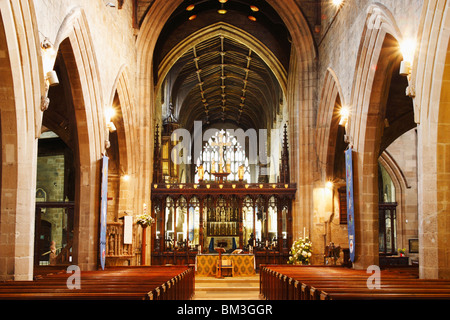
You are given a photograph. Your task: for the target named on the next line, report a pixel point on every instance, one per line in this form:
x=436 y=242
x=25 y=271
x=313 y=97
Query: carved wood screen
x=196 y=216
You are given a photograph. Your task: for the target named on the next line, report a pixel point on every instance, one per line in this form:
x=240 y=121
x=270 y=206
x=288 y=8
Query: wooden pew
x=165 y=283
x=322 y=282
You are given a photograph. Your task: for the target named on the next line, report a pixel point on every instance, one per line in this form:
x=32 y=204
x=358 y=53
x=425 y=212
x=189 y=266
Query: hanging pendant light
x=222 y=10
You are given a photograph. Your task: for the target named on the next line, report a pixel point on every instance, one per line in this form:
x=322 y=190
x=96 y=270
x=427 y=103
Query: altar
x=243 y=264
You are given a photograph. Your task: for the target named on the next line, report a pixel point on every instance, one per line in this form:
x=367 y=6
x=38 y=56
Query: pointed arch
x=21 y=118
x=75 y=28
x=301 y=89
x=431 y=105
x=74 y=43
x=328 y=122
x=371 y=83
x=122 y=87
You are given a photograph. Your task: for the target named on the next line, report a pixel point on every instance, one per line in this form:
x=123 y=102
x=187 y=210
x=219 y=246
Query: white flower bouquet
x=301 y=252
x=145 y=220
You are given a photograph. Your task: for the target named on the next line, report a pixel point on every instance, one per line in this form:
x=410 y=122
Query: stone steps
x=238 y=288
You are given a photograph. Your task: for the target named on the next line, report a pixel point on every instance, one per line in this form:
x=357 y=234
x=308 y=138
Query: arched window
x=233 y=155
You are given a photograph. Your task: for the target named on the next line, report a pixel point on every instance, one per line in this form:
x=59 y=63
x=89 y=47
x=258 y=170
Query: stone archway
x=75 y=45
x=377 y=60
x=443 y=174
x=328 y=118
x=430 y=79
x=22 y=86
x=300 y=95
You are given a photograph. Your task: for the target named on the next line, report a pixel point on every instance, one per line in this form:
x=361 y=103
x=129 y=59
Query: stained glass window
x=233 y=157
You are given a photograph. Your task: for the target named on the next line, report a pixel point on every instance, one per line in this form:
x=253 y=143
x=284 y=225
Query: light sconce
x=405 y=68
x=126 y=177
x=109 y=114
x=337 y=3
x=111 y=127
x=50 y=76
x=329 y=185
x=344 y=113
x=408 y=48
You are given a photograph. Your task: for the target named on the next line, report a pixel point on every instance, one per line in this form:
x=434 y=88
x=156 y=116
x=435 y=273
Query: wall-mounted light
x=344 y=113
x=407 y=48
x=109 y=114
x=337 y=3
x=50 y=76
x=126 y=177
x=111 y=127
x=329 y=185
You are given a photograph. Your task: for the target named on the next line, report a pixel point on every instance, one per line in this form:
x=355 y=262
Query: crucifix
x=221 y=144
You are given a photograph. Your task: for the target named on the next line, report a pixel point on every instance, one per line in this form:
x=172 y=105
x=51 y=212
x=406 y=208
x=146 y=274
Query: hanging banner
x=103 y=210
x=350 y=204
x=128 y=230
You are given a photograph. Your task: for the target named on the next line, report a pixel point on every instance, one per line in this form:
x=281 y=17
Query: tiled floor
x=228 y=288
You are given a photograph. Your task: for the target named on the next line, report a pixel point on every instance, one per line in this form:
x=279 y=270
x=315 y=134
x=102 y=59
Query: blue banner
x=103 y=210
x=350 y=204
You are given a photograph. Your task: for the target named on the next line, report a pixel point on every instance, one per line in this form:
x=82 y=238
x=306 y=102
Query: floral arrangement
x=301 y=252
x=402 y=252
x=145 y=220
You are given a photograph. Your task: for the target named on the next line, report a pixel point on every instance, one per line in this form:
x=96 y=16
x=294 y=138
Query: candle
x=304 y=232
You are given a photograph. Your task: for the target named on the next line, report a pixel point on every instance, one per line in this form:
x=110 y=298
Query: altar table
x=243 y=264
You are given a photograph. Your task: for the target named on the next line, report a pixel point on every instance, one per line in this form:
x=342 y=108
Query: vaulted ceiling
x=221 y=79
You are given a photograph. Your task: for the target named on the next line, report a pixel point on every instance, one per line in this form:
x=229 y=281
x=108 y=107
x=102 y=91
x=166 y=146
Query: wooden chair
x=225 y=264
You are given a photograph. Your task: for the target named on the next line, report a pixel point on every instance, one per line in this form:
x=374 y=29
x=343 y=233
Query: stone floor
x=227 y=288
